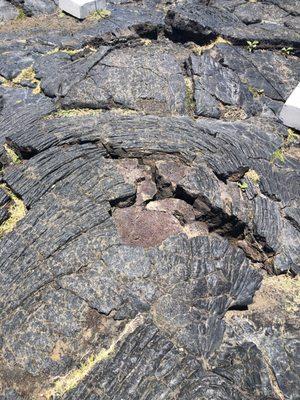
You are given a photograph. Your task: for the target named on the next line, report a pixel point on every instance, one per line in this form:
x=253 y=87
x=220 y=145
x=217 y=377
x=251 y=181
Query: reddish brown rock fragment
x=141 y=227
x=179 y=208
x=171 y=172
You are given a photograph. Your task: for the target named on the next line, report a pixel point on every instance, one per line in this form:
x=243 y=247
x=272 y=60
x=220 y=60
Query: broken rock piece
x=81 y=8
x=290 y=113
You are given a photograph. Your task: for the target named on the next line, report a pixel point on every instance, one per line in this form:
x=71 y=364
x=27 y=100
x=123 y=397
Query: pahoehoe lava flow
x=149 y=201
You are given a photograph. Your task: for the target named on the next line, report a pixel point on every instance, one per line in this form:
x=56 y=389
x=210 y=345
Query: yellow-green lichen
x=286 y=147
x=100 y=14
x=287 y=51
x=291 y=137
x=61 y=14
x=72 y=379
x=125 y=111
x=37 y=89
x=200 y=49
x=73 y=112
x=53 y=51
x=5 y=82
x=232 y=113
x=189 y=95
x=17 y=211
x=253 y=176
x=67 y=51
x=12 y=155
x=28 y=74
x=146 y=42
x=252 y=45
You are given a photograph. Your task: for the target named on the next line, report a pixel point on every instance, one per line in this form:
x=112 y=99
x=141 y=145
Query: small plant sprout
x=243 y=186
x=21 y=14
x=260 y=91
x=61 y=14
x=278 y=155
x=252 y=45
x=287 y=50
x=256 y=92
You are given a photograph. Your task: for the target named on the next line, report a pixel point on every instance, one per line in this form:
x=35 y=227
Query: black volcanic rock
x=149 y=202
x=249 y=21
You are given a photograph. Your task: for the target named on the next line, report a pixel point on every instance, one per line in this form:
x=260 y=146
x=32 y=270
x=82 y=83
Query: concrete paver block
x=290 y=113
x=81 y=8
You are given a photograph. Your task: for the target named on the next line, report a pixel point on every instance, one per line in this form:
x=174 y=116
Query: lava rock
x=188 y=21
x=216 y=85
x=150 y=222
x=7 y=11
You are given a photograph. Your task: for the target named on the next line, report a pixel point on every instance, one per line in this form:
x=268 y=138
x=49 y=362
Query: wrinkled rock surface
x=149 y=201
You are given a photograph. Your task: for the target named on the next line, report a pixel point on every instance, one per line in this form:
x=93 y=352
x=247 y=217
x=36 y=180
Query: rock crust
x=149 y=201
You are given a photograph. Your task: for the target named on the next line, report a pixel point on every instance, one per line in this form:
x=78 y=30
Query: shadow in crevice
x=177 y=35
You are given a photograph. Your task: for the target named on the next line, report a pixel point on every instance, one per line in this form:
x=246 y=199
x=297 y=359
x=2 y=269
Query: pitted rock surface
x=149 y=201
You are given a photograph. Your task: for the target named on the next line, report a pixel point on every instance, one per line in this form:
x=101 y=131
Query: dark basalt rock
x=275 y=74
x=21 y=109
x=153 y=83
x=7 y=11
x=197 y=22
x=147 y=353
x=4 y=200
x=4 y=215
x=125 y=23
x=250 y=82
x=17 y=56
x=69 y=72
x=149 y=203
x=36 y=7
x=103 y=80
x=220 y=86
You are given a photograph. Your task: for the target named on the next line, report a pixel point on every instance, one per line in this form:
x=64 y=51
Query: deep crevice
x=24 y=152
x=147 y=31
x=177 y=35
x=123 y=202
x=181 y=194
x=238 y=307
